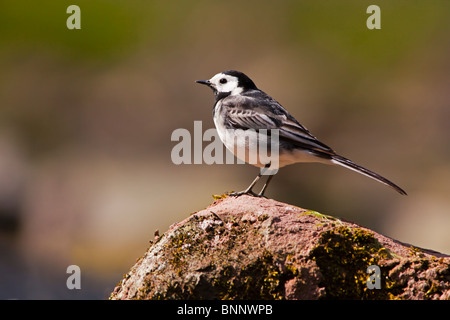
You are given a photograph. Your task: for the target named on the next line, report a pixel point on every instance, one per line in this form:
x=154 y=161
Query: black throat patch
x=220 y=95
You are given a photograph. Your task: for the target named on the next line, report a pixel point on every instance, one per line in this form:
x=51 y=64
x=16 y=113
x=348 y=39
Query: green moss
x=220 y=196
x=343 y=255
x=292 y=270
x=179 y=246
x=325 y=218
x=261 y=279
x=415 y=252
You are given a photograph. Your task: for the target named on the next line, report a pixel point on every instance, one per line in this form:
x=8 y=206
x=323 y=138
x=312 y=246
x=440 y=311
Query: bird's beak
x=205 y=82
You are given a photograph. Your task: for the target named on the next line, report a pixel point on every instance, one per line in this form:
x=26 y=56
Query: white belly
x=242 y=143
x=298 y=156
x=245 y=145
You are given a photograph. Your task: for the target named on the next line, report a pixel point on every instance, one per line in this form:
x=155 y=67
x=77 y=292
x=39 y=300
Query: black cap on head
x=244 y=81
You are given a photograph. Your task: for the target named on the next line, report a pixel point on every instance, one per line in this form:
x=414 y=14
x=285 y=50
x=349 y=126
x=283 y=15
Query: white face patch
x=226 y=83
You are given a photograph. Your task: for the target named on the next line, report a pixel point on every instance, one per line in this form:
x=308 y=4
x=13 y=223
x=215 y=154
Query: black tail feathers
x=355 y=167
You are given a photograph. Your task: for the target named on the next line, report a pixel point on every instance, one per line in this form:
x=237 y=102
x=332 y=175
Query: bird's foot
x=247 y=192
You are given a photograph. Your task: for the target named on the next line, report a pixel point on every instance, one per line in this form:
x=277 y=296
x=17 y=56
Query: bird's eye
x=223 y=81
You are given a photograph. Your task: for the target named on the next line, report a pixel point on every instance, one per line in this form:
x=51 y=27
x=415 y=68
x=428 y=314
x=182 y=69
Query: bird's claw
x=247 y=192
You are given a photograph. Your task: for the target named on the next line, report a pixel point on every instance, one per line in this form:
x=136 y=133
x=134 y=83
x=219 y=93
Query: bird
x=240 y=107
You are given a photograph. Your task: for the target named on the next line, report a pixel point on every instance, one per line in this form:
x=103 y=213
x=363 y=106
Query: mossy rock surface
x=252 y=248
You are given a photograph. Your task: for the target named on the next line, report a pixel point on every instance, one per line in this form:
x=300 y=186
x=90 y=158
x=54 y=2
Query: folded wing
x=246 y=113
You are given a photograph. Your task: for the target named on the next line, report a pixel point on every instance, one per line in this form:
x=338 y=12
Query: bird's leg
x=249 y=189
x=261 y=193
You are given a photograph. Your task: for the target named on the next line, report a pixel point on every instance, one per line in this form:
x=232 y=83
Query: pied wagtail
x=239 y=104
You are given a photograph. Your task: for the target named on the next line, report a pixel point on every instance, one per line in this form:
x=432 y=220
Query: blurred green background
x=86 y=118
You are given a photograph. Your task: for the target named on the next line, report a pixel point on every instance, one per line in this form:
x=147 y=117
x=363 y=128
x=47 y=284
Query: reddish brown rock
x=257 y=248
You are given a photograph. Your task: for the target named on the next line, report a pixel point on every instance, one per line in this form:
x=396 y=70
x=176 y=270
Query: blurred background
x=86 y=118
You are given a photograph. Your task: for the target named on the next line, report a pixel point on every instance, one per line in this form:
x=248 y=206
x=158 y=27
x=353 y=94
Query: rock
x=256 y=248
